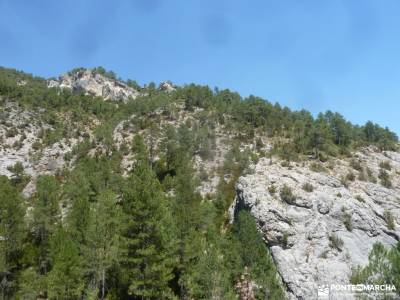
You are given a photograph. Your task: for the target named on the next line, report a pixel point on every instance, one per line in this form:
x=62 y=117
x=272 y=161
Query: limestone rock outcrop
x=330 y=225
x=95 y=84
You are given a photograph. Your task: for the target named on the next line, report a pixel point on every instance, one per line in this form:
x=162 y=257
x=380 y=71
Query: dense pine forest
x=97 y=230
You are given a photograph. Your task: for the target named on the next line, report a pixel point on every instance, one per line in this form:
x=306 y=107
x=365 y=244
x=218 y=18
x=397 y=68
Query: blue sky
x=341 y=55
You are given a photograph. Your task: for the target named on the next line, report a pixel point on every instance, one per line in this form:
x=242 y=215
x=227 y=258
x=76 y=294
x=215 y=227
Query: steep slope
x=322 y=225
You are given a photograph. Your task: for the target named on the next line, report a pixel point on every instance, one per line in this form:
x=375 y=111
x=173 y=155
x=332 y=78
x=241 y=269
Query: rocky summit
x=95 y=84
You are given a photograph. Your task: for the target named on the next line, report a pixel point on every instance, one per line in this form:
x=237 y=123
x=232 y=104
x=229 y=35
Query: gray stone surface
x=298 y=234
x=95 y=84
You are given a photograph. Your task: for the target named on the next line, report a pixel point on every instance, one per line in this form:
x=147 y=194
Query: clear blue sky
x=319 y=55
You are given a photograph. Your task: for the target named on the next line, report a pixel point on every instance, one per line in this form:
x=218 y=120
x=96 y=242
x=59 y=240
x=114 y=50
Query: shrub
x=285 y=240
x=17 y=145
x=308 y=187
x=317 y=167
x=36 y=145
x=18 y=172
x=68 y=156
x=350 y=176
x=344 y=182
x=203 y=175
x=359 y=198
x=16 y=168
x=389 y=219
x=385 y=165
x=347 y=222
x=285 y=164
x=335 y=242
x=385 y=178
x=362 y=176
x=356 y=164
x=324 y=254
x=22 y=137
x=11 y=132
x=371 y=176
x=272 y=189
x=287 y=195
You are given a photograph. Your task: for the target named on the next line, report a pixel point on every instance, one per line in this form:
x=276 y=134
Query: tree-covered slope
x=123 y=192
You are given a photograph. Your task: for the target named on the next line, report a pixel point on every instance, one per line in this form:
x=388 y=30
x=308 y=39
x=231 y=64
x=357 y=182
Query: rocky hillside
x=244 y=199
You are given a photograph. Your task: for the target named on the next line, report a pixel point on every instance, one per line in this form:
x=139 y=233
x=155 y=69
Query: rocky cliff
x=320 y=221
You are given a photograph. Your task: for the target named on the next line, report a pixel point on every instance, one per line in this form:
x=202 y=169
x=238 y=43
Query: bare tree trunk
x=103 y=283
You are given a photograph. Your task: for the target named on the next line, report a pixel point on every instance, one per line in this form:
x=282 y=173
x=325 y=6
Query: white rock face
x=167 y=86
x=19 y=147
x=95 y=84
x=299 y=234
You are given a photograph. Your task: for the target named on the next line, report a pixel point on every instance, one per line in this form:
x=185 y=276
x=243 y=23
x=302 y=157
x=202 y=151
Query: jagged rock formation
x=323 y=229
x=95 y=84
x=167 y=86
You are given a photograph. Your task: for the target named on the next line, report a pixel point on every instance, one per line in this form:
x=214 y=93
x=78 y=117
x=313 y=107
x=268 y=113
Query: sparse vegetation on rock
x=287 y=194
x=335 y=242
x=308 y=187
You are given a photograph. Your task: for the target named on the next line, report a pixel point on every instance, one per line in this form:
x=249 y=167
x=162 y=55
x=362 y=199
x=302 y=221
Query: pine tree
x=257 y=258
x=65 y=279
x=150 y=246
x=11 y=234
x=188 y=224
x=206 y=274
x=46 y=216
x=102 y=250
x=78 y=191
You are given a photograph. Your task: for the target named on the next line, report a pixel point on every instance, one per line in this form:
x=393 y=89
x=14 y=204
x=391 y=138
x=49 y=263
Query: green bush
x=389 y=219
x=344 y=181
x=335 y=242
x=287 y=194
x=272 y=189
x=385 y=165
x=359 y=198
x=383 y=267
x=356 y=164
x=11 y=132
x=371 y=176
x=347 y=222
x=318 y=167
x=385 y=178
x=350 y=176
x=308 y=187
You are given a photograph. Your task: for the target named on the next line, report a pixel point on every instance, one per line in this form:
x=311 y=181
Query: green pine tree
x=102 y=250
x=46 y=216
x=65 y=280
x=150 y=247
x=12 y=229
x=257 y=257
